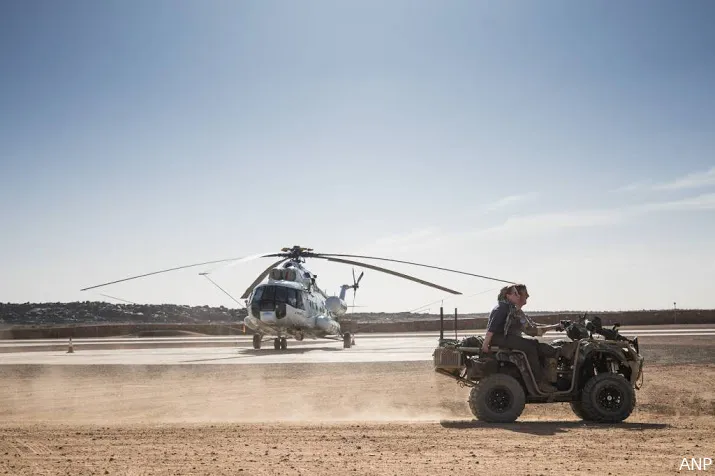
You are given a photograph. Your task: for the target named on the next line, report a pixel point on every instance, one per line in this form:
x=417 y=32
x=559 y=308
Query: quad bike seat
x=496 y=348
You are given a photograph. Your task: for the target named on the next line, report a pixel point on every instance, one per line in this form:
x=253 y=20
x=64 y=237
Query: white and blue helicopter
x=291 y=304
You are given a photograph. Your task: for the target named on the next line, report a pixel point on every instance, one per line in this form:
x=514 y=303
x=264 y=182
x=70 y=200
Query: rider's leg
x=530 y=347
x=547 y=350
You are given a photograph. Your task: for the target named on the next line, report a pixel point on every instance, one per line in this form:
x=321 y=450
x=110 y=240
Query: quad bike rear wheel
x=607 y=398
x=498 y=398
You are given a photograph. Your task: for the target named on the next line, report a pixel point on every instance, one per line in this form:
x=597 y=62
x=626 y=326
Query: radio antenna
x=205 y=275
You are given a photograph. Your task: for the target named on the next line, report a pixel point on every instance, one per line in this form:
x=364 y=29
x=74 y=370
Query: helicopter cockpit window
x=269 y=293
x=281 y=294
x=291 y=300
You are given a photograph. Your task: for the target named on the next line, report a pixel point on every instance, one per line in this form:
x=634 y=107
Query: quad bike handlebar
x=585 y=328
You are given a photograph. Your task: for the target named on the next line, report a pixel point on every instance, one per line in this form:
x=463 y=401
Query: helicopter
x=291 y=304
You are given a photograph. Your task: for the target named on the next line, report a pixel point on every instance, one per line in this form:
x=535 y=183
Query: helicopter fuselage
x=291 y=304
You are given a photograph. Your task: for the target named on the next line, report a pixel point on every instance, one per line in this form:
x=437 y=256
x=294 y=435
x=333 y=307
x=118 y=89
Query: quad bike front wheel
x=577 y=408
x=498 y=398
x=607 y=398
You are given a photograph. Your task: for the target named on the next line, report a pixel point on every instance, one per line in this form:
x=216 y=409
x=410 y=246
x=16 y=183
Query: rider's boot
x=550 y=376
x=546 y=387
x=550 y=365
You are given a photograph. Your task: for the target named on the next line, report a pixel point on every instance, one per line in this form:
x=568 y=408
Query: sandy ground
x=379 y=418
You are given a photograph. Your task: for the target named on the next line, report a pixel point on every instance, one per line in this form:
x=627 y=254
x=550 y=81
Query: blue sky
x=569 y=145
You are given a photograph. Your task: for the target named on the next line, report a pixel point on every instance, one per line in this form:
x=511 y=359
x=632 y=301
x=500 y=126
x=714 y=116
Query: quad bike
x=596 y=370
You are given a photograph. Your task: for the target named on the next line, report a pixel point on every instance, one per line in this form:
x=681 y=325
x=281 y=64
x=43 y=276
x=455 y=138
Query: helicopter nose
x=269 y=317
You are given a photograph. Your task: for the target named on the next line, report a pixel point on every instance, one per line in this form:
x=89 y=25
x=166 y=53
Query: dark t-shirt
x=497 y=318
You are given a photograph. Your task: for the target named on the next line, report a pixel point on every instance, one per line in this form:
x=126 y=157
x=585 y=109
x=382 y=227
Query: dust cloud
x=228 y=393
x=310 y=393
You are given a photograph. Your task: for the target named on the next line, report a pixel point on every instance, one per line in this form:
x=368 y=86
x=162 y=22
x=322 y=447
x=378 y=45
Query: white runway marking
x=366 y=350
x=238 y=350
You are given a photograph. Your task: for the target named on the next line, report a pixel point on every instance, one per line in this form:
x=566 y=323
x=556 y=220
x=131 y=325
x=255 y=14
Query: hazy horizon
x=569 y=146
x=431 y=311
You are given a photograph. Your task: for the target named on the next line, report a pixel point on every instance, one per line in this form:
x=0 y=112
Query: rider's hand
x=485 y=348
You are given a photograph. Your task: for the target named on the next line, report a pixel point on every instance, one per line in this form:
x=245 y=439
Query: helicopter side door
x=299 y=311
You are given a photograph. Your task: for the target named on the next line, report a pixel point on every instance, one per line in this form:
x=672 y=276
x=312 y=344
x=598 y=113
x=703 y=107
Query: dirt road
x=382 y=419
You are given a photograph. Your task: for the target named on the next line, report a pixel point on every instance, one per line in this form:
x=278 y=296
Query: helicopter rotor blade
x=388 y=271
x=247 y=258
x=261 y=277
x=415 y=264
x=244 y=258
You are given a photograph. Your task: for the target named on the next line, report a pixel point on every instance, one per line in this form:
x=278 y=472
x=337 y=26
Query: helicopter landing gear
x=280 y=343
x=348 y=340
x=256 y=341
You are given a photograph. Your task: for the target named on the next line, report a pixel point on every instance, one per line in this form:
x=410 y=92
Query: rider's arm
x=534 y=329
x=540 y=330
x=487 y=340
x=497 y=318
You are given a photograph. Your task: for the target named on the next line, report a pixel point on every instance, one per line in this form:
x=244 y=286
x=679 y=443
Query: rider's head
x=511 y=294
x=504 y=291
x=523 y=293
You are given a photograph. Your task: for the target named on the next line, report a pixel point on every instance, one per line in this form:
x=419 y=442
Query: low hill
x=99 y=312
x=101 y=319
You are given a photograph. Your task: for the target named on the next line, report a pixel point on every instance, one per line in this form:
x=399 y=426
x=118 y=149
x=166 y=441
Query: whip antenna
x=205 y=275
x=118 y=299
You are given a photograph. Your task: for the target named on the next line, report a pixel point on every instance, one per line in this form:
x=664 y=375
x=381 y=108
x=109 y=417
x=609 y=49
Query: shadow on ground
x=267 y=352
x=549 y=427
x=294 y=350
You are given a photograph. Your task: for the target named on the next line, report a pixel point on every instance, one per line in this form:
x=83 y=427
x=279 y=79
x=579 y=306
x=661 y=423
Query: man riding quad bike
x=509 y=327
x=596 y=370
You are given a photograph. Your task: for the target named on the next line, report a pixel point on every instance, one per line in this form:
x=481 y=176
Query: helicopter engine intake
x=287 y=274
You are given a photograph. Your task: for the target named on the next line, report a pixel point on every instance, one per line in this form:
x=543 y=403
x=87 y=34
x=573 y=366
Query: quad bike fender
x=617 y=355
x=598 y=352
x=478 y=369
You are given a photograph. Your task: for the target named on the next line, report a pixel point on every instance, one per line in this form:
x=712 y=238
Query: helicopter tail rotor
x=356 y=284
